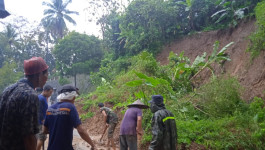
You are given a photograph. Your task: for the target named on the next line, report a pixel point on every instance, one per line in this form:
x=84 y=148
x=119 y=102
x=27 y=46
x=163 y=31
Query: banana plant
x=228 y=12
x=217 y=57
x=149 y=82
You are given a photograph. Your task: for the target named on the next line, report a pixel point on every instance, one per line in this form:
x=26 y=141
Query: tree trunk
x=75 y=79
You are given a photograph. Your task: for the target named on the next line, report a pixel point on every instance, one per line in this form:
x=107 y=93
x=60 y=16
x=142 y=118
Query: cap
x=67 y=88
x=138 y=104
x=157 y=99
x=100 y=105
x=34 y=65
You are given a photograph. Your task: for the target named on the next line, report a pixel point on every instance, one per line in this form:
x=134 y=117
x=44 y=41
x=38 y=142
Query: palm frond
x=48 y=4
x=69 y=19
x=71 y=12
x=49 y=11
x=64 y=5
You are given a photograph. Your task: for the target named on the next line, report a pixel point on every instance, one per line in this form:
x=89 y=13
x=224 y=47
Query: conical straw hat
x=138 y=104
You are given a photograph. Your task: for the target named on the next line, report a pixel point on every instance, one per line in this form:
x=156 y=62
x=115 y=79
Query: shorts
x=41 y=136
x=111 y=130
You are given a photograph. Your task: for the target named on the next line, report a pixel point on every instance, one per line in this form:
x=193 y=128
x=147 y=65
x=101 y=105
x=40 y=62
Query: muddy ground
x=80 y=144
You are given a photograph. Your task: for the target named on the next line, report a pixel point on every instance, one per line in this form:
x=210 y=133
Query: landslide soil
x=251 y=74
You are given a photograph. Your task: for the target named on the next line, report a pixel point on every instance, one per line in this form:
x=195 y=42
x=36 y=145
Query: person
x=110 y=120
x=39 y=90
x=43 y=106
x=54 y=96
x=164 y=128
x=61 y=119
x=131 y=126
x=19 y=108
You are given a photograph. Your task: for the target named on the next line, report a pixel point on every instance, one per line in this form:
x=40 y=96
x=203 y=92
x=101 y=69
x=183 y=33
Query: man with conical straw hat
x=131 y=126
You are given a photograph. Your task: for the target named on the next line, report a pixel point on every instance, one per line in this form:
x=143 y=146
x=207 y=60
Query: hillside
x=251 y=74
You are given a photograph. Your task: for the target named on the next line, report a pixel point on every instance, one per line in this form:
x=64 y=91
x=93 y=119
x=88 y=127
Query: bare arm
x=139 y=125
x=30 y=142
x=105 y=116
x=84 y=135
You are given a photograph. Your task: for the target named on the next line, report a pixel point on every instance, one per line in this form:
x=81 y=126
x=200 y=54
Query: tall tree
x=19 y=41
x=9 y=74
x=78 y=53
x=56 y=14
x=8 y=42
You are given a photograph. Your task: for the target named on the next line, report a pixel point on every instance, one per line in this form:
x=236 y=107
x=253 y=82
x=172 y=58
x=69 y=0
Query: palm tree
x=10 y=35
x=9 y=41
x=56 y=15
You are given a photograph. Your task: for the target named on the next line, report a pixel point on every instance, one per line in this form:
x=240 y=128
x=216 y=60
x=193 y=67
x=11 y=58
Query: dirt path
x=80 y=144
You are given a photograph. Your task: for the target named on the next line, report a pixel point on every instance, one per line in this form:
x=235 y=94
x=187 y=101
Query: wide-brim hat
x=138 y=104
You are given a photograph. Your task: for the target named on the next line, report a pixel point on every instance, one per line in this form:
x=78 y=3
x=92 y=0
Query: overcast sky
x=33 y=11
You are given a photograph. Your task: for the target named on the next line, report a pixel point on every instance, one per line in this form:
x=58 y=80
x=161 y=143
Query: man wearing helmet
x=19 y=108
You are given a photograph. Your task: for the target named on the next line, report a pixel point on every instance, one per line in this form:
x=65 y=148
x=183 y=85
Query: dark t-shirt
x=43 y=108
x=111 y=116
x=61 y=119
x=18 y=115
x=129 y=122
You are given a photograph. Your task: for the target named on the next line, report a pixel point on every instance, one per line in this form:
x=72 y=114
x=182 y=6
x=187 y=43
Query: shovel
x=103 y=135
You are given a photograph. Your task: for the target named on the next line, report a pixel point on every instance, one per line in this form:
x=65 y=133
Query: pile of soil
x=251 y=74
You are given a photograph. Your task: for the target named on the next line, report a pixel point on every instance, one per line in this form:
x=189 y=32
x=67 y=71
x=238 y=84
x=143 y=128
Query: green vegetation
x=258 y=37
x=122 y=65
x=212 y=115
x=149 y=24
x=77 y=53
x=9 y=75
x=87 y=115
x=55 y=15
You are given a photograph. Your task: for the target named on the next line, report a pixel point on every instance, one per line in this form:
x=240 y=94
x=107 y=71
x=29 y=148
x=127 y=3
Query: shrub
x=87 y=115
x=258 y=38
x=220 y=97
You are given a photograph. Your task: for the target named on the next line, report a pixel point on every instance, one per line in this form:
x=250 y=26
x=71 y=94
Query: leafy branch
x=214 y=57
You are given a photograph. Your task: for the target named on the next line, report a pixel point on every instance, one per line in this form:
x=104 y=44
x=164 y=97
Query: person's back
x=18 y=115
x=111 y=116
x=129 y=123
x=61 y=119
x=131 y=126
x=164 y=128
x=165 y=119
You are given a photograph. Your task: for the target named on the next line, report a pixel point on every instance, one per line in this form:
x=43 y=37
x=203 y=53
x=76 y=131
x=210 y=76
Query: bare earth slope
x=250 y=74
